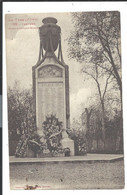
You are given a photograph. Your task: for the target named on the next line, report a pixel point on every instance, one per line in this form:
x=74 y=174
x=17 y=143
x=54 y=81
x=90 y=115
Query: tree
x=98 y=77
x=95 y=42
x=96 y=39
x=88 y=115
x=20 y=112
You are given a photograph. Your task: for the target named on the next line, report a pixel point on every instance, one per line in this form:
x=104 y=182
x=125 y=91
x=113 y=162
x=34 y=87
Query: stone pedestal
x=51 y=92
x=66 y=142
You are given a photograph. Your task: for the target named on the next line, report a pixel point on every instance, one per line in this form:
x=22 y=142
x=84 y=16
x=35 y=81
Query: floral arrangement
x=53 y=133
x=31 y=141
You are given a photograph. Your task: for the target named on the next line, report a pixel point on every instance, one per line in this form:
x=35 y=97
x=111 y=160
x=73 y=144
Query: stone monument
x=51 y=80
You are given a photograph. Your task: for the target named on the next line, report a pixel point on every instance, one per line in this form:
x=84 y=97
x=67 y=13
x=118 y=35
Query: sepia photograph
x=64 y=100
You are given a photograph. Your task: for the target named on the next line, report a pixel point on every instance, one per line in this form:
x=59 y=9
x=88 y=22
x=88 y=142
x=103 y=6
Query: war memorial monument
x=51 y=81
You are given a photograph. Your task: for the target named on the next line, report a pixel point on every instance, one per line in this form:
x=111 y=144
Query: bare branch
x=106 y=85
x=107 y=70
x=89 y=74
x=106 y=57
x=117 y=47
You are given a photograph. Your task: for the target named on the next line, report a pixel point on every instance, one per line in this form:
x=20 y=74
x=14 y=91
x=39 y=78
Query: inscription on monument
x=50 y=101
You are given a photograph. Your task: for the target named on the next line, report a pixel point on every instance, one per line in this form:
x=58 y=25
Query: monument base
x=66 y=142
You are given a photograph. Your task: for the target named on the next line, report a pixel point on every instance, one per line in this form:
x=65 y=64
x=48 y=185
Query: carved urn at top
x=49 y=34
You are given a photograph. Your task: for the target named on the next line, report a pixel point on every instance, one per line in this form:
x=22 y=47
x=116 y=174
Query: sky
x=22 y=50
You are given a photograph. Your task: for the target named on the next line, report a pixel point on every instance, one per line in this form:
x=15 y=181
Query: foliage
x=95 y=39
x=113 y=132
x=95 y=42
x=53 y=132
x=113 y=127
x=20 y=114
x=21 y=149
x=79 y=141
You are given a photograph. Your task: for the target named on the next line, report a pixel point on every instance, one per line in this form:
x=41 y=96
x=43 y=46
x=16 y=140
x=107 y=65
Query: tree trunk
x=88 y=114
x=103 y=121
x=119 y=139
x=121 y=123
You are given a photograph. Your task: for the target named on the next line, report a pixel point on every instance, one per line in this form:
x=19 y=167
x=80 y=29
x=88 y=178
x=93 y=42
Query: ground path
x=93 y=171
